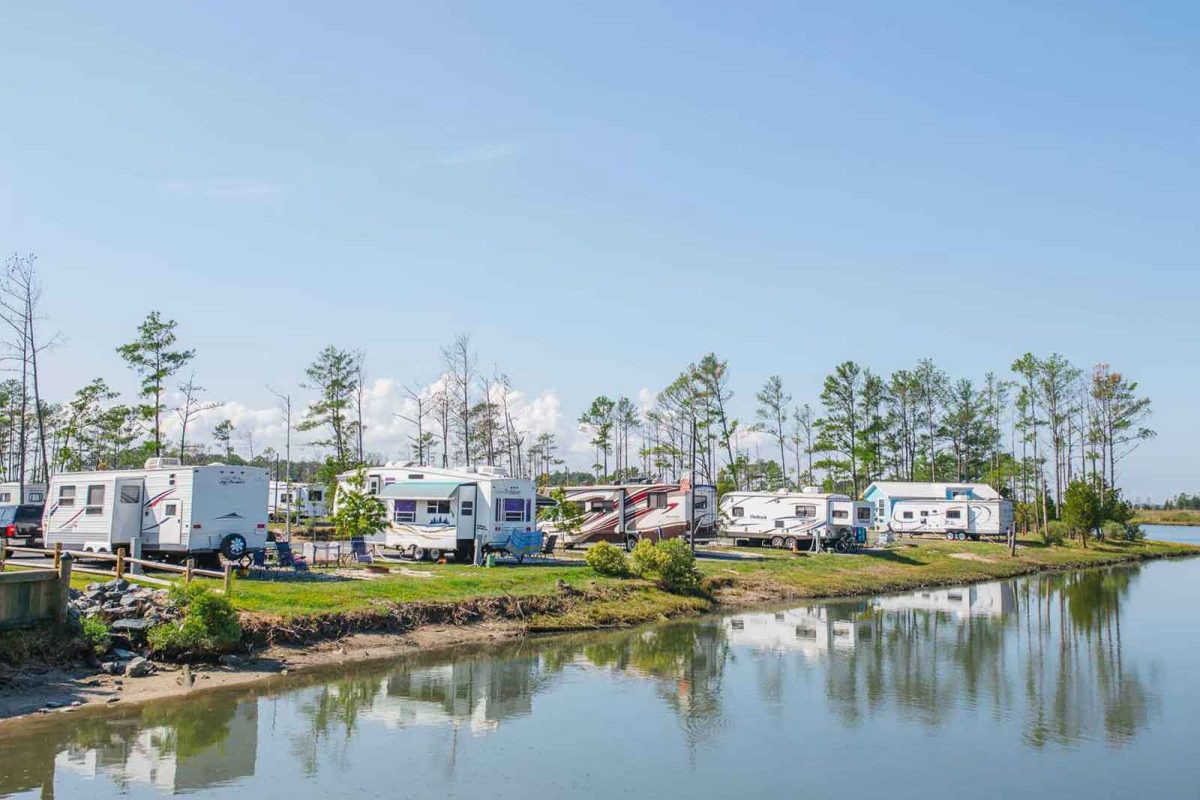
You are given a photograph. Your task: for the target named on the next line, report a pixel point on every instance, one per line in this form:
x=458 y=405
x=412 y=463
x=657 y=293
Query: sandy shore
x=32 y=691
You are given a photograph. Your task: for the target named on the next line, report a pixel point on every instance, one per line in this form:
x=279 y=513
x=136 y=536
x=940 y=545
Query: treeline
x=1183 y=502
x=1031 y=432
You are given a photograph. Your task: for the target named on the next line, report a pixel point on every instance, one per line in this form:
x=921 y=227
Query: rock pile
x=130 y=611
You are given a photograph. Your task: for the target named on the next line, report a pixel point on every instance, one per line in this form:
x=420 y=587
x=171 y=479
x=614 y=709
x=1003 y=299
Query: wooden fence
x=121 y=565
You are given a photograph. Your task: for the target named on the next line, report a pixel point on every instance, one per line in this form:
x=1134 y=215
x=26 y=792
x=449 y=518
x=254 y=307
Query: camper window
x=315 y=495
x=737 y=511
x=373 y=486
x=5 y=497
x=806 y=511
x=657 y=500
x=778 y=523
x=404 y=511
x=171 y=479
x=467 y=508
x=35 y=497
x=864 y=514
x=170 y=509
x=603 y=506
x=840 y=513
x=95 y=500
x=701 y=502
x=415 y=476
x=954 y=513
x=924 y=513
x=131 y=494
x=514 y=509
x=908 y=515
x=66 y=496
x=438 y=507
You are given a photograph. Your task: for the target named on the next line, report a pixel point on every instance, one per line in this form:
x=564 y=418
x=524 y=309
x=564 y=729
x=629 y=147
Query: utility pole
x=286 y=399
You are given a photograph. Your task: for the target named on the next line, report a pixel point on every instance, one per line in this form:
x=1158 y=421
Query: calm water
x=1083 y=684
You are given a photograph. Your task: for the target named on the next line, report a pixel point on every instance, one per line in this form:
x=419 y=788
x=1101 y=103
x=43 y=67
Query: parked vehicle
x=624 y=513
x=954 y=510
x=302 y=499
x=21 y=526
x=434 y=512
x=177 y=511
x=794 y=519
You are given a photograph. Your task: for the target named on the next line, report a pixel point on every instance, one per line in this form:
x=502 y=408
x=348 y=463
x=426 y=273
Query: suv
x=22 y=525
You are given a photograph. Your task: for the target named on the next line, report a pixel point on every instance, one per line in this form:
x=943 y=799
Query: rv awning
x=419 y=490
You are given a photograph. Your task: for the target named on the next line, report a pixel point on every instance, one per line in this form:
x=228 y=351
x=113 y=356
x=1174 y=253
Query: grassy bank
x=543 y=598
x=1159 y=516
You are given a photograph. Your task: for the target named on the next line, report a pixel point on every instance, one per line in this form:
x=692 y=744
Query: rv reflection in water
x=982 y=600
x=812 y=631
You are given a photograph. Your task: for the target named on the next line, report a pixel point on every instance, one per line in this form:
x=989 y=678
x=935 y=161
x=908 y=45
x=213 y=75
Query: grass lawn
x=908 y=564
x=1160 y=516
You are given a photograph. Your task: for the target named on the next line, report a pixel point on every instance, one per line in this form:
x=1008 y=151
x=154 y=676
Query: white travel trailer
x=176 y=511
x=433 y=511
x=301 y=499
x=648 y=510
x=955 y=510
x=10 y=493
x=793 y=519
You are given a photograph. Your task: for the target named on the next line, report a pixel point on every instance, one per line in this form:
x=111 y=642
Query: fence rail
x=188 y=570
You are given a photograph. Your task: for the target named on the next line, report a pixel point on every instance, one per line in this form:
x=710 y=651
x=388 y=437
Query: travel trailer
x=177 y=511
x=301 y=499
x=623 y=514
x=794 y=519
x=434 y=512
x=10 y=493
x=955 y=510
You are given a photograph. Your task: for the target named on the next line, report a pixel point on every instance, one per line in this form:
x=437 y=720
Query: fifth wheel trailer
x=791 y=519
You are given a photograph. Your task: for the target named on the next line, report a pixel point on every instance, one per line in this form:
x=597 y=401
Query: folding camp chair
x=358 y=551
x=289 y=559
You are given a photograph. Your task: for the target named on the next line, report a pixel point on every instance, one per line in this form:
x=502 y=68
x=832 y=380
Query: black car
x=22 y=525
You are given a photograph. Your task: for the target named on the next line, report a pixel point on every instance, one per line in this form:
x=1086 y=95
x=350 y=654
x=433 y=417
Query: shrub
x=1055 y=532
x=608 y=560
x=209 y=625
x=671 y=564
x=1112 y=530
x=95 y=634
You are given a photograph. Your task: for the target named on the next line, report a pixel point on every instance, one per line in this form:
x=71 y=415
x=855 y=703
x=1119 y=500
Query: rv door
x=127 y=509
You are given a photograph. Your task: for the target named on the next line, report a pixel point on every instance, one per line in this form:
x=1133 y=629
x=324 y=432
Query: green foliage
x=1055 y=532
x=670 y=563
x=95 y=634
x=1112 y=530
x=564 y=515
x=1083 y=509
x=358 y=513
x=151 y=357
x=209 y=626
x=335 y=375
x=608 y=560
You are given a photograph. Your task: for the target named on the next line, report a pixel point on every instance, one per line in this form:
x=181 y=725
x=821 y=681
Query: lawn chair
x=258 y=563
x=358 y=551
x=289 y=559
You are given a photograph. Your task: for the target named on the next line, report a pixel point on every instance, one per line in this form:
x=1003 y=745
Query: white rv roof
x=933 y=491
x=793 y=496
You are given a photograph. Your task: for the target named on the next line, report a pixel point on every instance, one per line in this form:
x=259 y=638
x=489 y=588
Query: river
x=1084 y=684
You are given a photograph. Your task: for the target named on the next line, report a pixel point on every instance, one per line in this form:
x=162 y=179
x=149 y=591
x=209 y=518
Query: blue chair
x=289 y=559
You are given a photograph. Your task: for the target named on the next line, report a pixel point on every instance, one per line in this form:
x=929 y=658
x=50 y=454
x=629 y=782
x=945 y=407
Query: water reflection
x=1042 y=655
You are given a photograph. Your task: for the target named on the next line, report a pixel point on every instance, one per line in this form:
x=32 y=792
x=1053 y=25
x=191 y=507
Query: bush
x=1112 y=530
x=1055 y=532
x=95 y=634
x=608 y=560
x=671 y=564
x=209 y=626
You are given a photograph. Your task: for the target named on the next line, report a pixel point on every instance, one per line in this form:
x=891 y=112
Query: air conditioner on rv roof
x=161 y=462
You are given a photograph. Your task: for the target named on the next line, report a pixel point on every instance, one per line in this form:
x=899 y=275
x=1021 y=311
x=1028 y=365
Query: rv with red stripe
x=625 y=513
x=171 y=510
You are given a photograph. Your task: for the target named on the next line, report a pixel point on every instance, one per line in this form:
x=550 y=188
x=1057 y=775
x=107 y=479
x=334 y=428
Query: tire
x=790 y=543
x=950 y=535
x=962 y=537
x=233 y=547
x=435 y=554
x=777 y=542
x=418 y=553
x=842 y=545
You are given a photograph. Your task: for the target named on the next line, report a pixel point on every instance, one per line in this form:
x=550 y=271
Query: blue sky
x=600 y=195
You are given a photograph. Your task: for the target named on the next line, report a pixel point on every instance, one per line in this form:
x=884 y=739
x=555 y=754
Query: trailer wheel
x=435 y=554
x=950 y=535
x=233 y=546
x=790 y=543
x=777 y=542
x=417 y=553
x=962 y=536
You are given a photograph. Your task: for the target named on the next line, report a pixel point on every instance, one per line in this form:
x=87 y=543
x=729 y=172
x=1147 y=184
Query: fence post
x=228 y=579
x=135 y=550
x=57 y=555
x=187 y=576
x=120 y=562
x=64 y=589
x=3 y=555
